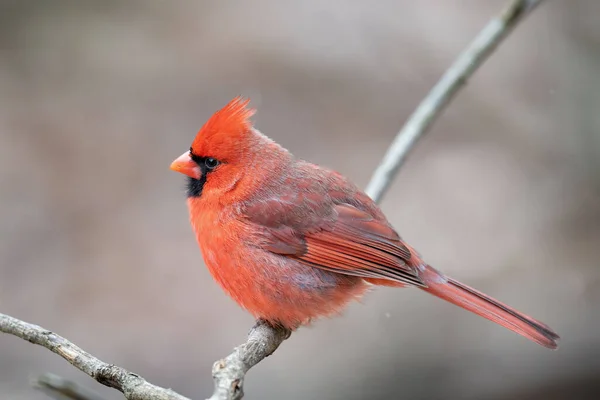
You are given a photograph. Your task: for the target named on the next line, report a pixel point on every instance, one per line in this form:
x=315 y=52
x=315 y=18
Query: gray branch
x=133 y=386
x=439 y=97
x=229 y=372
x=264 y=339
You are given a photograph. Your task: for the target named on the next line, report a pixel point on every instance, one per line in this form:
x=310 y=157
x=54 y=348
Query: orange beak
x=186 y=166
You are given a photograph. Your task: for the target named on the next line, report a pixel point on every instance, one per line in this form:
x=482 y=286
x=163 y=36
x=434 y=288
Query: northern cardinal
x=291 y=241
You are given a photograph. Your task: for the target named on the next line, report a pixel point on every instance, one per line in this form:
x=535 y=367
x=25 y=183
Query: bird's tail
x=487 y=307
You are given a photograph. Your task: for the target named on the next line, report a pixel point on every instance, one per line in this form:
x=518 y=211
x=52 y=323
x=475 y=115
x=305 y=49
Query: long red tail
x=487 y=307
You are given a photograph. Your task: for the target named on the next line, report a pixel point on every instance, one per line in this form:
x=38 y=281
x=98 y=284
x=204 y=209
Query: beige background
x=97 y=98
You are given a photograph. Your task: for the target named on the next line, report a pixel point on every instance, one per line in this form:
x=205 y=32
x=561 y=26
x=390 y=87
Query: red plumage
x=290 y=241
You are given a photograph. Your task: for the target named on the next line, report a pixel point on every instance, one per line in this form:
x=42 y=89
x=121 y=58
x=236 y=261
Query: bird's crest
x=231 y=120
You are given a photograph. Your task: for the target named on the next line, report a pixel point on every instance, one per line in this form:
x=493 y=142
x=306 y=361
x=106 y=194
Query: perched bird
x=291 y=241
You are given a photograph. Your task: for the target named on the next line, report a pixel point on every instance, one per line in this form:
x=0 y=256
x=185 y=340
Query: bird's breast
x=270 y=286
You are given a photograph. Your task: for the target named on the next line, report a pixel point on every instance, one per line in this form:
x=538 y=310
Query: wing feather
x=350 y=241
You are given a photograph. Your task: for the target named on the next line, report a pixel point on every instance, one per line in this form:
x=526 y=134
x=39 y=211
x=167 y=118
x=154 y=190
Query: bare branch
x=133 y=386
x=264 y=339
x=229 y=372
x=439 y=97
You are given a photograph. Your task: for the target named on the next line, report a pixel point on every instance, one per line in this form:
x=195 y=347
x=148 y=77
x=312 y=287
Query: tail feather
x=485 y=306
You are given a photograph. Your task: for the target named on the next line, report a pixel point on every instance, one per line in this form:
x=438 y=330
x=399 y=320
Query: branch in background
x=442 y=93
x=61 y=389
x=264 y=339
x=133 y=386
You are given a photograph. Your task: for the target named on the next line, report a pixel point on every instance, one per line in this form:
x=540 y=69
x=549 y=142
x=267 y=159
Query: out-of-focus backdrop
x=98 y=97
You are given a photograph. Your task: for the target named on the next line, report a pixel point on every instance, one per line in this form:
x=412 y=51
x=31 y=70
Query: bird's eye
x=211 y=163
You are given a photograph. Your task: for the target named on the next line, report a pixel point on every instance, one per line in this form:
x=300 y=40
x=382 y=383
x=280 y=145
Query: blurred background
x=98 y=97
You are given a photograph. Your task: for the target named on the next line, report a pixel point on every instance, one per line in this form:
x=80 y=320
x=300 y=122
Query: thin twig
x=133 y=386
x=438 y=98
x=264 y=339
x=63 y=389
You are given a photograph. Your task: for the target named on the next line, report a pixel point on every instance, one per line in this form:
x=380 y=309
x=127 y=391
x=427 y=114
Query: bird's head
x=225 y=151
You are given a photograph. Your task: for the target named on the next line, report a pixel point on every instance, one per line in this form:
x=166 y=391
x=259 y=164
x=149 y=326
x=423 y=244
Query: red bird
x=291 y=241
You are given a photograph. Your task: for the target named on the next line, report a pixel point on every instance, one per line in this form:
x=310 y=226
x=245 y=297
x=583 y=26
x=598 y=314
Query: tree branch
x=264 y=339
x=133 y=386
x=229 y=372
x=432 y=106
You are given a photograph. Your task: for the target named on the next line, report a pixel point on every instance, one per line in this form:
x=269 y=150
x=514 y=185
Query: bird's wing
x=345 y=240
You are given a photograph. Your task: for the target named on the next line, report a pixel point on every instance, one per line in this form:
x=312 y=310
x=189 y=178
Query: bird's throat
x=195 y=186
